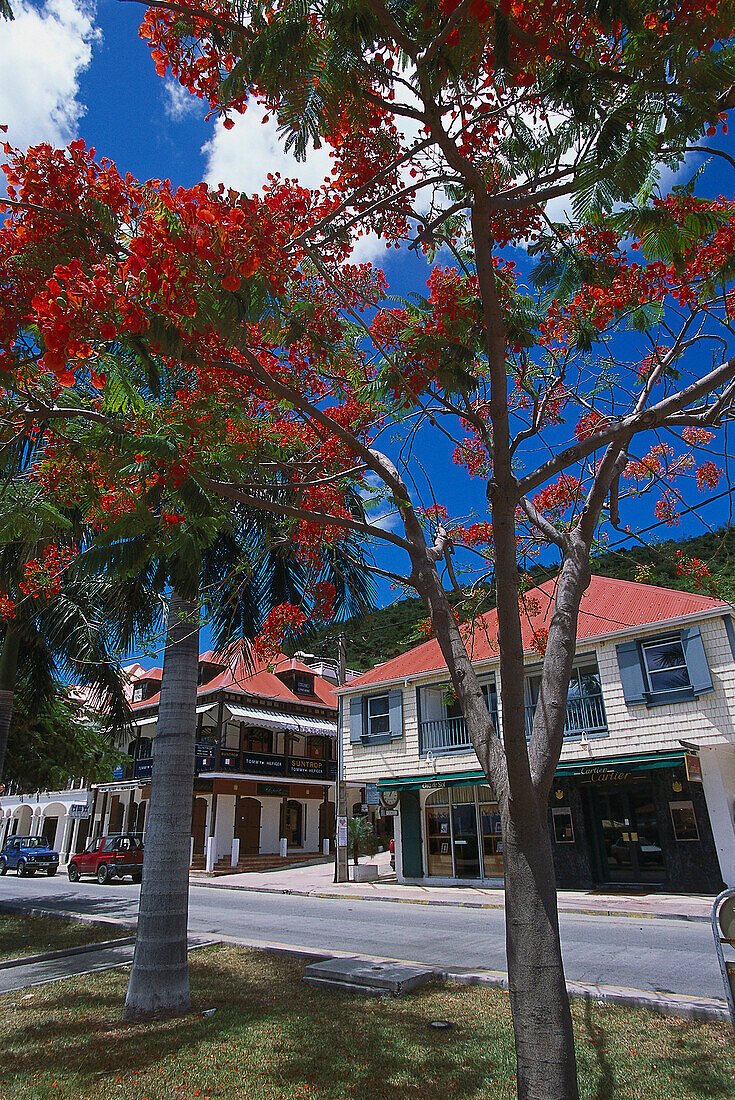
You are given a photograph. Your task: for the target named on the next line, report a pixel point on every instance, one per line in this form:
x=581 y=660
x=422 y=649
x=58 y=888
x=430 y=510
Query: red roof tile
x=608 y=607
x=260 y=681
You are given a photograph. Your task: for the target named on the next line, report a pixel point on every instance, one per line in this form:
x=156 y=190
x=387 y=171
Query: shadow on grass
x=267 y=1027
x=605 y=1083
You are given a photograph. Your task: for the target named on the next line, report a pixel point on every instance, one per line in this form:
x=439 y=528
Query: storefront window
x=438 y=835
x=684 y=820
x=463 y=834
x=563 y=826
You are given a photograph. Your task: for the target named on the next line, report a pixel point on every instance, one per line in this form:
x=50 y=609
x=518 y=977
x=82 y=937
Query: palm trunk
x=159 y=979
x=542 y=1022
x=8 y=668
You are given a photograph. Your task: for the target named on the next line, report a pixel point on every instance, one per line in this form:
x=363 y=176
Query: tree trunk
x=159 y=980
x=542 y=1022
x=8 y=669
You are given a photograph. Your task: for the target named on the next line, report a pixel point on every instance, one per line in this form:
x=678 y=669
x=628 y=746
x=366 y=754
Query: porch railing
x=446 y=735
x=585 y=714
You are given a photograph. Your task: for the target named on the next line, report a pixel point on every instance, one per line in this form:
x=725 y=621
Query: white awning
x=281 y=720
x=146 y=721
x=152 y=719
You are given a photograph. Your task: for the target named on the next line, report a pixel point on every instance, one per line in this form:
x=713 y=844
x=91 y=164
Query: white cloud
x=178 y=103
x=242 y=157
x=44 y=50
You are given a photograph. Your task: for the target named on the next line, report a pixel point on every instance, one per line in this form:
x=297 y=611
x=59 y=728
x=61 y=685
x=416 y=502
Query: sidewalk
x=317 y=880
x=40 y=969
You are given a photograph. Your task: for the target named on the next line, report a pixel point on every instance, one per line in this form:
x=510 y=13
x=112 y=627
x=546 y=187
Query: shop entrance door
x=630 y=846
x=198 y=824
x=464 y=829
x=247 y=826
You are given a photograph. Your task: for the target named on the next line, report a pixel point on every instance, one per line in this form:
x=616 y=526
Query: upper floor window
x=665 y=665
x=585 y=711
x=668 y=669
x=378 y=718
x=139 y=692
x=303 y=683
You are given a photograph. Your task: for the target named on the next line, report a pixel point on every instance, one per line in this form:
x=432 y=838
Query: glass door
x=464 y=829
x=646 y=837
x=630 y=840
x=439 y=840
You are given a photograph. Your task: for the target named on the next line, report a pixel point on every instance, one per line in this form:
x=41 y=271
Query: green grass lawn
x=24 y=934
x=272 y=1036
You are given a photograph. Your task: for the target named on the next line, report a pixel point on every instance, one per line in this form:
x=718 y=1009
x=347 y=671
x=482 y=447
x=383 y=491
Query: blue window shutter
x=730 y=633
x=696 y=659
x=357 y=721
x=631 y=672
x=395 y=710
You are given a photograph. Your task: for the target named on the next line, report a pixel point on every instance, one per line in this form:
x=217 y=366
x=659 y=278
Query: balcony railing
x=585 y=715
x=447 y=735
x=212 y=758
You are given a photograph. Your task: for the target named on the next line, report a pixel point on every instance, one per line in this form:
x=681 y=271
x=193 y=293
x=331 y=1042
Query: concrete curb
x=68 y=914
x=635 y=914
x=671 y=1004
x=62 y=953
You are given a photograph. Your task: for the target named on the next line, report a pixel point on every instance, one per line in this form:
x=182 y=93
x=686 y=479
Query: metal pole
x=723 y=929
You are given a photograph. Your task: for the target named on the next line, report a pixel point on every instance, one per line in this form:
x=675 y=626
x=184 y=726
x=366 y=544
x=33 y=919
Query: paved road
x=668 y=956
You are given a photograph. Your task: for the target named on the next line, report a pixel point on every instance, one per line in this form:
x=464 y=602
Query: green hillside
x=386 y=632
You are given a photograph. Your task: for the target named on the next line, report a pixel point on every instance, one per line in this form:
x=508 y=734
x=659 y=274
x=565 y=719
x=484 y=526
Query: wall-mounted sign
x=604 y=775
x=79 y=810
x=258 y=763
x=694 y=768
x=372 y=796
x=433 y=786
x=314 y=769
x=342 y=832
x=280 y=790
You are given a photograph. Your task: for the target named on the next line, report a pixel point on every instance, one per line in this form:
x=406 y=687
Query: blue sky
x=77 y=70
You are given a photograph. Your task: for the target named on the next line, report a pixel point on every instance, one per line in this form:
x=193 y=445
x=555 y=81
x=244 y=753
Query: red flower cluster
x=42 y=577
x=282 y=622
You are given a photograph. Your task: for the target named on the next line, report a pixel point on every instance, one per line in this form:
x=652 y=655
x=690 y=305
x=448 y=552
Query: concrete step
x=368 y=976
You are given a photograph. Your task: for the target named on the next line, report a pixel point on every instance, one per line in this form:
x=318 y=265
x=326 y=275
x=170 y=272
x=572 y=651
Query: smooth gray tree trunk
x=542 y=1022
x=159 y=979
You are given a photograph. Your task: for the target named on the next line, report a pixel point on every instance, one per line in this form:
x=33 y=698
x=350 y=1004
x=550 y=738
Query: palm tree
x=69 y=631
x=237 y=566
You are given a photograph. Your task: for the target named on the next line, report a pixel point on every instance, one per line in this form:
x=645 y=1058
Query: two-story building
x=644 y=793
x=265 y=763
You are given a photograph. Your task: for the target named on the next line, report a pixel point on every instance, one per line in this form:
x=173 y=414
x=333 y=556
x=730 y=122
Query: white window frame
x=371 y=699
x=651 y=643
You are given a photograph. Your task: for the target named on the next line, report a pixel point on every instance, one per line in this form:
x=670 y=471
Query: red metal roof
x=260 y=680
x=609 y=606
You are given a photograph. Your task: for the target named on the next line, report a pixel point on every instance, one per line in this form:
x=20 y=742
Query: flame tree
x=452 y=129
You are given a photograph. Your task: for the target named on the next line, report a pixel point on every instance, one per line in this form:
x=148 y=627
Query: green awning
x=635 y=762
x=415 y=782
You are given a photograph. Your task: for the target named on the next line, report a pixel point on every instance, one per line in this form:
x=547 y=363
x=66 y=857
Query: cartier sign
x=605 y=775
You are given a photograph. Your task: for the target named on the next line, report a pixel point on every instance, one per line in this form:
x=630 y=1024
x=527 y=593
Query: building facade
x=644 y=794
x=265 y=768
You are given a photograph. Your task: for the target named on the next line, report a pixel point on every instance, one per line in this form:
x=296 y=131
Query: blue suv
x=28 y=854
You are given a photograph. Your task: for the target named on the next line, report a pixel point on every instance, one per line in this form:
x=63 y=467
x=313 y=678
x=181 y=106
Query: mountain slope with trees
x=384 y=633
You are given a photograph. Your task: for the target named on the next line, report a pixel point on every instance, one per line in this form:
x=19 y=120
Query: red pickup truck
x=109 y=857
